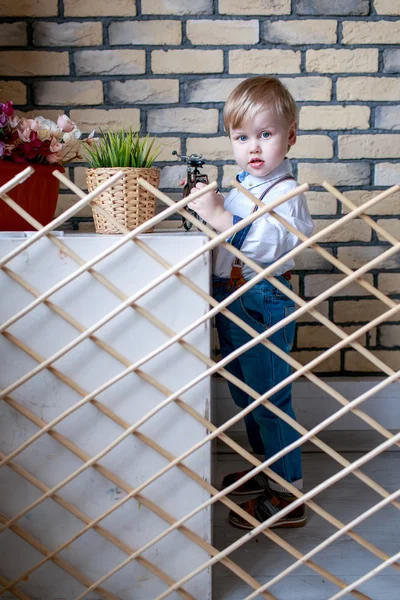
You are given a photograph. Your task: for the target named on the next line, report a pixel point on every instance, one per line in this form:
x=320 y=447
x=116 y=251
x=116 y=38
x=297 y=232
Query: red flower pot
x=38 y=195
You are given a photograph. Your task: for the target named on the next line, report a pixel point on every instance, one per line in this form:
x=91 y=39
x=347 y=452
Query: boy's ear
x=292 y=136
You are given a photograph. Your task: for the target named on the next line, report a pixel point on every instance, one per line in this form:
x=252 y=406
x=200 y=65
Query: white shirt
x=267 y=239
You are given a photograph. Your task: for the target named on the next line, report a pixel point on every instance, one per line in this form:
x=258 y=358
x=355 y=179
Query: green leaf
x=117 y=148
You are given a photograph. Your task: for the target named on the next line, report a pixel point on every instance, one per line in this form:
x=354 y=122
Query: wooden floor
x=344 y=558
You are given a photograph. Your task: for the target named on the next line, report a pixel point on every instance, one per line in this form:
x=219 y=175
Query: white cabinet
x=43 y=332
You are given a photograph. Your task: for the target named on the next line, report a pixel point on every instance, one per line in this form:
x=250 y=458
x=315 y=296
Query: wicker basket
x=130 y=204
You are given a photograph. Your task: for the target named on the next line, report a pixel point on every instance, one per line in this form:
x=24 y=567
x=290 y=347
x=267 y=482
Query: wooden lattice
x=19 y=585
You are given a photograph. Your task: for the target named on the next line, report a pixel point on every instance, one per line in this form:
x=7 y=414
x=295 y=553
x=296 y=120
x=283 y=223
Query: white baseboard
x=312 y=405
x=341 y=441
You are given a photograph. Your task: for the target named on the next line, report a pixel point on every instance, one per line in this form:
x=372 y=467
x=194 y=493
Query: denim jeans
x=261 y=307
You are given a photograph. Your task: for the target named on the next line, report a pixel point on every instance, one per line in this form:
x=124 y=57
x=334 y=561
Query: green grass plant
x=117 y=148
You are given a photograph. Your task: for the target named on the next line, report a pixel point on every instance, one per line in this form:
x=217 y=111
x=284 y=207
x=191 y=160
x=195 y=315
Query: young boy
x=260 y=117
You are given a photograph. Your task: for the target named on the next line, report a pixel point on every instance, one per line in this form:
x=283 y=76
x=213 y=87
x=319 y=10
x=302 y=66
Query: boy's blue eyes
x=264 y=135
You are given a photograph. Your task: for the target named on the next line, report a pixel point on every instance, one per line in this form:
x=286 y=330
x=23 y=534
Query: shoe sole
x=288 y=524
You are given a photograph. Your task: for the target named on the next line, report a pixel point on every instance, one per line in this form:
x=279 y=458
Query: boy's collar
x=240 y=177
x=285 y=168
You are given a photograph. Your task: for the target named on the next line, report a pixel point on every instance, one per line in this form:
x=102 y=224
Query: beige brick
x=301 y=32
x=212 y=148
x=229 y=173
x=100 y=8
x=387 y=7
x=387 y=174
x=354 y=361
x=172 y=175
x=87 y=227
x=379 y=145
x=171 y=224
x=254 y=7
x=189 y=120
x=210 y=90
x=27 y=8
x=66 y=201
x=13 y=90
x=63 y=93
x=33 y=63
x=334 y=173
x=89 y=119
x=372 y=338
x=156 y=33
x=390 y=335
x=320 y=336
x=310 y=260
x=371 y=32
x=168 y=145
x=368 y=88
x=321 y=203
x=295 y=281
x=328 y=365
x=264 y=61
x=361 y=311
x=334 y=117
x=392 y=226
x=110 y=62
x=312 y=146
x=355 y=230
x=314 y=285
x=67 y=34
x=147 y=91
x=322 y=308
x=47 y=114
x=342 y=61
x=177 y=7
x=387 y=117
x=309 y=88
x=388 y=206
x=222 y=32
x=389 y=283
x=358 y=256
x=160 y=206
x=13 y=34
x=186 y=61
x=80 y=177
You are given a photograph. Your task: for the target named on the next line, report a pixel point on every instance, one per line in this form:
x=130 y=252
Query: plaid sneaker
x=255 y=485
x=265 y=506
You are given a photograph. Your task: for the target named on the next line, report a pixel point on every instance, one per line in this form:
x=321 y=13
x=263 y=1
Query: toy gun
x=194 y=163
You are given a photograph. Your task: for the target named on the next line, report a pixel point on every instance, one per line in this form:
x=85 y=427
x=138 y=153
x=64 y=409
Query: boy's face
x=261 y=144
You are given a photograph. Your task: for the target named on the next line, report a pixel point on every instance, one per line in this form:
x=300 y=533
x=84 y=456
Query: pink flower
x=54 y=158
x=65 y=124
x=38 y=140
x=24 y=134
x=28 y=124
x=55 y=146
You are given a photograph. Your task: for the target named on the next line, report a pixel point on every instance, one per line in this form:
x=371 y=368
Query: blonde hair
x=256 y=94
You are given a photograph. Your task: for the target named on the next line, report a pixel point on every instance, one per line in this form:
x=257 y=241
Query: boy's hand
x=210 y=207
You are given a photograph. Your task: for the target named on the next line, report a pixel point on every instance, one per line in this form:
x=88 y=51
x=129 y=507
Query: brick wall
x=170 y=64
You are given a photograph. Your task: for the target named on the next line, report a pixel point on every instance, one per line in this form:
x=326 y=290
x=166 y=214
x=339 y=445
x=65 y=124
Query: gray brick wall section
x=351 y=89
